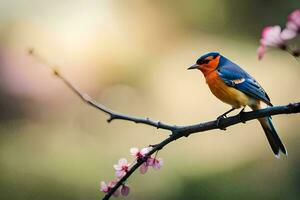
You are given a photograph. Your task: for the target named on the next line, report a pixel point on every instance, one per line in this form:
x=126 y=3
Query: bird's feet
x=241 y=115
x=221 y=117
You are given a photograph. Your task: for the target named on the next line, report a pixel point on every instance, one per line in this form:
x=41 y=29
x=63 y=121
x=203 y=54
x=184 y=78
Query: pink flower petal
x=292 y=26
x=288 y=34
x=122 y=162
x=265 y=31
x=145 y=150
x=271 y=36
x=121 y=168
x=125 y=190
x=117 y=167
x=261 y=51
x=150 y=161
x=134 y=151
x=295 y=17
x=143 y=168
x=120 y=173
x=158 y=163
x=103 y=187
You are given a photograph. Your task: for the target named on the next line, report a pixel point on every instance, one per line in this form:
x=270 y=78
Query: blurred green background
x=132 y=56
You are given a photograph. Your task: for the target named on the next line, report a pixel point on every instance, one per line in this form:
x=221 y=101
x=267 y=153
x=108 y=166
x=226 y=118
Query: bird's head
x=207 y=63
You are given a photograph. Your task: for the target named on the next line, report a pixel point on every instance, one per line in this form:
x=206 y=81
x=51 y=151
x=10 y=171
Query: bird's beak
x=195 y=66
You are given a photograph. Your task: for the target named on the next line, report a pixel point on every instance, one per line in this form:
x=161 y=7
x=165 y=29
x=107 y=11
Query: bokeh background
x=132 y=56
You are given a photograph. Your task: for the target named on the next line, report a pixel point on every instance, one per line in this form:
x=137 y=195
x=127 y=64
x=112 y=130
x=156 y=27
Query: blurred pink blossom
x=107 y=187
x=261 y=51
x=271 y=36
x=295 y=17
x=121 y=168
x=288 y=34
x=155 y=163
x=144 y=167
x=125 y=190
x=292 y=26
x=103 y=187
x=139 y=153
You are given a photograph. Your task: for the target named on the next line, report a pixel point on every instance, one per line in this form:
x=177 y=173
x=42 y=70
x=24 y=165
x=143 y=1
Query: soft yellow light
x=76 y=31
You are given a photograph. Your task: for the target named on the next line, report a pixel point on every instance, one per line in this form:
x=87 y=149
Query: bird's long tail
x=272 y=136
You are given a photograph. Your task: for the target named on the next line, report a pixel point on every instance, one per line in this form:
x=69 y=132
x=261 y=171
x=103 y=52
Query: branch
x=177 y=131
x=185 y=131
x=239 y=118
x=113 y=115
x=139 y=162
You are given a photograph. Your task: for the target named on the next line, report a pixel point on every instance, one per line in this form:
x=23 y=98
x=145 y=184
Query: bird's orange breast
x=225 y=93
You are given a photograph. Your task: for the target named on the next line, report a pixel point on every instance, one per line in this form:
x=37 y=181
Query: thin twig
x=113 y=115
x=177 y=131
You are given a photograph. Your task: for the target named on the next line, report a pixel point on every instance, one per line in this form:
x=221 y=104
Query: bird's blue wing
x=236 y=77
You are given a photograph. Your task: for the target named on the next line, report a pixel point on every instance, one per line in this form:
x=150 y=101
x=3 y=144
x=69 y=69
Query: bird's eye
x=205 y=61
x=202 y=61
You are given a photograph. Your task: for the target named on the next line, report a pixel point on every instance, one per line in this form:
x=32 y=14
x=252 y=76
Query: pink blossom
x=288 y=33
x=144 y=167
x=295 y=17
x=125 y=190
x=103 y=187
x=155 y=163
x=271 y=36
x=261 y=51
x=107 y=187
x=121 y=168
x=139 y=153
x=292 y=26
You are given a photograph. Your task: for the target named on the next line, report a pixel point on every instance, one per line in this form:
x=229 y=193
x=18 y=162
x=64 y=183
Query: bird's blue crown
x=213 y=54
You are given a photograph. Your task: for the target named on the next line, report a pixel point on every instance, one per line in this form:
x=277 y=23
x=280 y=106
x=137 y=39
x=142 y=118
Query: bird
x=234 y=86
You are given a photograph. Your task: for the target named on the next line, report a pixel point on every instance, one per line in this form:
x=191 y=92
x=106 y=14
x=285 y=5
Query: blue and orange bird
x=234 y=86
